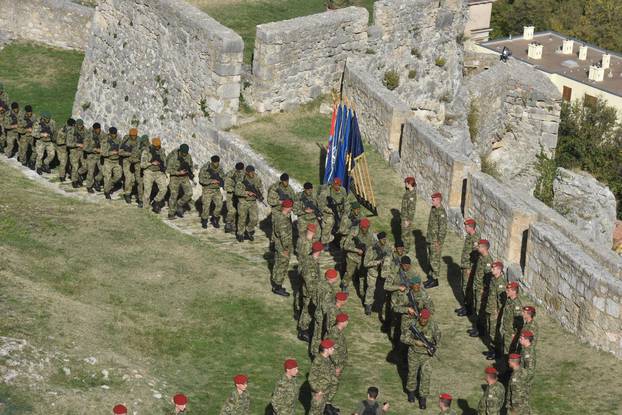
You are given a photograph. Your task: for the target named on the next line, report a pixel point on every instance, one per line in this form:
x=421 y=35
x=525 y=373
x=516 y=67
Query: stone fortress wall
x=577 y=280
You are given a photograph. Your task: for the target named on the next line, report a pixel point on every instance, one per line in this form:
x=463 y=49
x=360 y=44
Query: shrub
x=547 y=168
x=440 y=62
x=473 y=120
x=415 y=52
x=391 y=79
x=490 y=168
x=412 y=74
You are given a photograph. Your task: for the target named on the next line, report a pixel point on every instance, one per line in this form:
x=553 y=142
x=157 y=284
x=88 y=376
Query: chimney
x=528 y=32
x=535 y=50
x=605 y=61
x=583 y=53
x=567 y=46
x=597 y=73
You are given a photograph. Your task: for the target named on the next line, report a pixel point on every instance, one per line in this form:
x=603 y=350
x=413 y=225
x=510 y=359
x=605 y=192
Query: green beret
x=144 y=137
x=46 y=115
x=80 y=122
x=355 y=205
x=184 y=148
x=415 y=280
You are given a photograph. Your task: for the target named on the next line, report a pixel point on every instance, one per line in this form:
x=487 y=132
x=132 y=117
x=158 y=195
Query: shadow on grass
x=304 y=396
x=421 y=251
x=396 y=224
x=465 y=408
x=454 y=278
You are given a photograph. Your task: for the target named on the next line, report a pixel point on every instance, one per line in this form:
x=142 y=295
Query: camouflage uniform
x=11 y=124
x=528 y=363
x=75 y=144
x=494 y=304
x=340 y=356
x=349 y=224
x=283 y=245
x=511 y=322
x=178 y=181
x=237 y=404
x=275 y=195
x=492 y=400
x=409 y=205
x=211 y=191
x=233 y=176
x=305 y=218
x=322 y=378
x=447 y=411
x=61 y=150
x=324 y=300
x=482 y=271
x=353 y=259
x=131 y=152
x=373 y=261
x=400 y=302
x=310 y=271
x=467 y=261
x=247 y=205
x=340 y=201
x=26 y=140
x=92 y=150
x=45 y=134
x=285 y=396
x=518 y=393
x=112 y=169
x=390 y=273
x=419 y=360
x=153 y=174
x=437 y=229
x=532 y=327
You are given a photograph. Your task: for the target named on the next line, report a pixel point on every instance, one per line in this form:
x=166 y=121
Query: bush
x=391 y=79
x=547 y=168
x=415 y=52
x=412 y=74
x=440 y=62
x=490 y=167
x=473 y=120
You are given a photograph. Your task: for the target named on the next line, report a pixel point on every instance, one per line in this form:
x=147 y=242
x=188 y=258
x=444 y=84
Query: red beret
x=514 y=356
x=240 y=379
x=529 y=309
x=445 y=396
x=311 y=227
x=327 y=343
x=317 y=246
x=341 y=296
x=490 y=370
x=410 y=180
x=119 y=409
x=484 y=242
x=287 y=203
x=470 y=222
x=364 y=223
x=512 y=285
x=437 y=195
x=527 y=333
x=497 y=264
x=290 y=364
x=341 y=317
x=337 y=181
x=331 y=274
x=180 y=399
x=425 y=313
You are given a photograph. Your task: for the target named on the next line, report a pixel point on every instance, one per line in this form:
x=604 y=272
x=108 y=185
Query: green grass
x=243 y=16
x=46 y=78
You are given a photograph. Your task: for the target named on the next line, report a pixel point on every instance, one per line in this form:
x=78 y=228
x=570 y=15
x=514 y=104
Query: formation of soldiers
x=308 y=224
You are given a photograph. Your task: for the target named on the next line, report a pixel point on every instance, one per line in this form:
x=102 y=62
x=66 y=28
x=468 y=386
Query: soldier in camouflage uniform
x=373 y=262
x=323 y=380
x=92 y=150
x=211 y=179
x=512 y=321
x=467 y=263
x=437 y=230
x=285 y=394
x=355 y=245
x=480 y=277
x=494 y=305
x=494 y=394
x=419 y=357
x=390 y=273
x=400 y=302
x=310 y=270
x=305 y=241
x=180 y=401
x=325 y=298
x=131 y=151
x=11 y=124
x=26 y=142
x=61 y=148
x=335 y=203
x=528 y=356
x=337 y=333
x=110 y=152
x=277 y=193
x=409 y=206
x=248 y=191
x=518 y=388
x=349 y=224
x=75 y=145
x=45 y=132
x=306 y=208
x=283 y=245
x=153 y=165
x=233 y=176
x=529 y=322
x=444 y=404
x=2 y=128
x=179 y=166
x=239 y=401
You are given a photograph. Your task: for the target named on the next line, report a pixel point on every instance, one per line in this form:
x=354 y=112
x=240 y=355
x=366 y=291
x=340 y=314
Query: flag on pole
x=355 y=150
x=343 y=146
x=331 y=150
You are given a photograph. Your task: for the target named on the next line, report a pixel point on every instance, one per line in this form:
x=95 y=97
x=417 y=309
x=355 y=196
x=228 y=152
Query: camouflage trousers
x=318 y=402
x=149 y=178
x=465 y=274
x=522 y=409
x=45 y=153
x=77 y=164
x=210 y=196
x=131 y=173
x=407 y=235
x=12 y=138
x=281 y=266
x=92 y=162
x=328 y=222
x=175 y=184
x=247 y=216
x=231 y=211
x=307 y=292
x=419 y=364
x=435 y=256
x=61 y=154
x=370 y=286
x=112 y=174
x=509 y=345
x=26 y=142
x=492 y=337
x=352 y=266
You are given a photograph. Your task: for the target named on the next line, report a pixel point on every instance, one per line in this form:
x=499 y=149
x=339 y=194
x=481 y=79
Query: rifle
x=183 y=165
x=214 y=175
x=282 y=195
x=155 y=156
x=412 y=302
x=45 y=128
x=251 y=188
x=380 y=253
x=308 y=204
x=431 y=347
x=359 y=244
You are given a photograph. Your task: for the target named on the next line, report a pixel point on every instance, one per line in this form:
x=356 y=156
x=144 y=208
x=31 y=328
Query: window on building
x=567 y=94
x=589 y=100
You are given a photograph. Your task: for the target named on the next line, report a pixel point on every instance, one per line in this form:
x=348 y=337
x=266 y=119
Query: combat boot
x=46 y=168
x=431 y=283
x=171 y=216
x=204 y=223
x=279 y=290
x=411 y=396
x=251 y=236
x=303 y=335
x=62 y=179
x=39 y=171
x=368 y=310
x=239 y=238
x=107 y=195
x=97 y=187
x=215 y=221
x=75 y=185
x=422 y=403
x=127 y=198
x=90 y=190
x=228 y=228
x=157 y=207
x=31 y=165
x=140 y=204
x=179 y=212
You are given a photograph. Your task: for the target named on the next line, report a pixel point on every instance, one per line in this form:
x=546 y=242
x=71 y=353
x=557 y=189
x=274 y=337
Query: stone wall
x=59 y=23
x=381 y=113
x=156 y=63
x=574 y=288
x=297 y=60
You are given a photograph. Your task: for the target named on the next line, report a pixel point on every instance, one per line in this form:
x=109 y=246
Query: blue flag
x=355 y=148
x=331 y=151
x=343 y=146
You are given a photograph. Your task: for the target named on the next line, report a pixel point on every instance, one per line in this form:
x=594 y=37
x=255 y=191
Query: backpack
x=370 y=409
